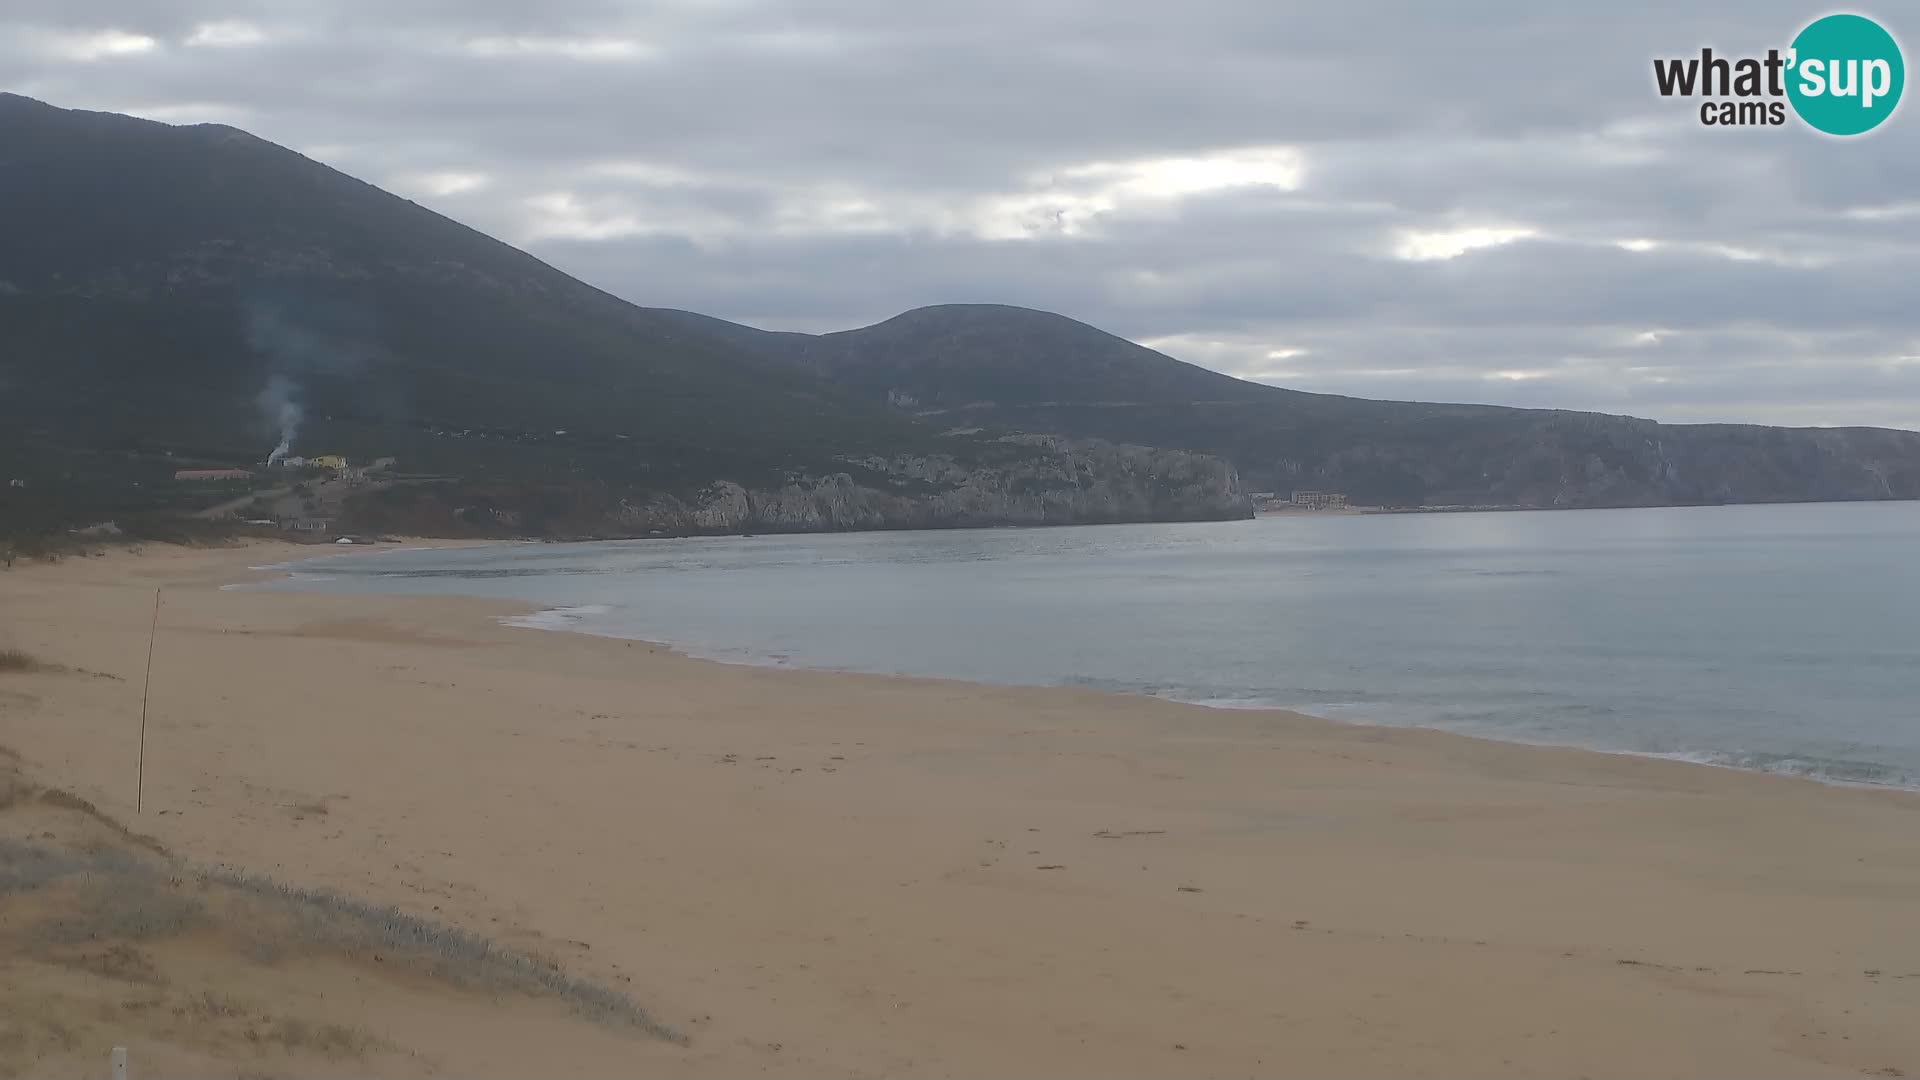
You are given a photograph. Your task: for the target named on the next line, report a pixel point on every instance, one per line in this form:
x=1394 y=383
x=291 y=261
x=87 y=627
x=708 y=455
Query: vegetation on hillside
x=187 y=297
x=965 y=364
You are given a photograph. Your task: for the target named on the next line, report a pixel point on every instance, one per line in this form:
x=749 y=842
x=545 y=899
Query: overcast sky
x=1474 y=201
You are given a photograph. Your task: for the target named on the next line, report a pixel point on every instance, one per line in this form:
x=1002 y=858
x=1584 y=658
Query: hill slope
x=959 y=355
x=217 y=257
x=188 y=295
x=981 y=363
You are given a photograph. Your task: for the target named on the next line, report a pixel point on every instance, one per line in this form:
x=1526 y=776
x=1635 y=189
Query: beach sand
x=828 y=874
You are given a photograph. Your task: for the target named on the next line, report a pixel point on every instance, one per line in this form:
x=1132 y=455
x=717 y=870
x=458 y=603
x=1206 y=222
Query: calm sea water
x=1783 y=638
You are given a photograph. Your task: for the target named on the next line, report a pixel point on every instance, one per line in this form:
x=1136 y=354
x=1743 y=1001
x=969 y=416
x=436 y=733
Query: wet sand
x=831 y=874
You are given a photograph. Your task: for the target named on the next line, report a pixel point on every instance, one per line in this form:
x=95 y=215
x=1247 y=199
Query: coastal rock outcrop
x=1044 y=480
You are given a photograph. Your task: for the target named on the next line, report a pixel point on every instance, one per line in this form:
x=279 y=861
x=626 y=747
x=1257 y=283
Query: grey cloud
x=828 y=164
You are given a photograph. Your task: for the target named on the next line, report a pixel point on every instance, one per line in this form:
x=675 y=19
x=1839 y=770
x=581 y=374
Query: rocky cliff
x=1565 y=459
x=1052 y=481
x=1026 y=480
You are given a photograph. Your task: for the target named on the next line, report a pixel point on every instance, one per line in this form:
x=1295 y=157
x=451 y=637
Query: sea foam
x=560 y=618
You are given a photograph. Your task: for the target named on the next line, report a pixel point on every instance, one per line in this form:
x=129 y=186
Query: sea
x=1776 y=638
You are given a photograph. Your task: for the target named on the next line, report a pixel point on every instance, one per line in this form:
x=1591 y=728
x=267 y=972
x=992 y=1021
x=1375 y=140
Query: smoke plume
x=280 y=403
x=317 y=353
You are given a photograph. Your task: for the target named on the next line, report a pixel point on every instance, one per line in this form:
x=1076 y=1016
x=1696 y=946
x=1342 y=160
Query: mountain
x=967 y=364
x=184 y=297
x=966 y=355
x=173 y=269
x=187 y=295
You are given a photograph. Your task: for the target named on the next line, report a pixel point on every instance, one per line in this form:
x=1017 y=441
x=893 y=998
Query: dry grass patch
x=21 y=662
x=328 y=922
x=91 y=904
x=101 y=924
x=97 y=901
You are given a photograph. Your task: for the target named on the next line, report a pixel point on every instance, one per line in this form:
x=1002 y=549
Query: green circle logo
x=1846 y=75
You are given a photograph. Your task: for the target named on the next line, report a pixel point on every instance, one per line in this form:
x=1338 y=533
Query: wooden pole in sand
x=140 y=771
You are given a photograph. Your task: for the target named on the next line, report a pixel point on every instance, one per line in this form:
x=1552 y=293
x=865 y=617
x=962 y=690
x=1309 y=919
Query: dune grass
x=343 y=924
x=110 y=895
x=19 y=661
x=119 y=890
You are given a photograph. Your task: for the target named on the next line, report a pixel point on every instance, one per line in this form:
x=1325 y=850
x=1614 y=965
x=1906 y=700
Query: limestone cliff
x=1049 y=481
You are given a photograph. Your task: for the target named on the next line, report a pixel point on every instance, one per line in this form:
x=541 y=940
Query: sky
x=1483 y=200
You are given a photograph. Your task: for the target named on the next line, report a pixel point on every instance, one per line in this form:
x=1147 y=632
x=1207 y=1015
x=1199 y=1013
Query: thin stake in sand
x=140 y=770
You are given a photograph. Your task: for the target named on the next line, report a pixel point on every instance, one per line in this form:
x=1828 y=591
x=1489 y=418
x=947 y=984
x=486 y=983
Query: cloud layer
x=1483 y=201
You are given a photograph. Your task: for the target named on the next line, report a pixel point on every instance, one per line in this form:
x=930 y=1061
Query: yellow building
x=328 y=461
x=1320 y=500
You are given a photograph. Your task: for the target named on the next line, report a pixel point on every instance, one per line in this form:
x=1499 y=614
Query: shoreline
x=564 y=619
x=532 y=620
x=827 y=873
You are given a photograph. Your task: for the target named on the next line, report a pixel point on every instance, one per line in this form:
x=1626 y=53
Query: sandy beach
x=826 y=874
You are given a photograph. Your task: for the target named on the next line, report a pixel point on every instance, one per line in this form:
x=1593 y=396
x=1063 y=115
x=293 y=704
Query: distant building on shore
x=201 y=476
x=1319 y=500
